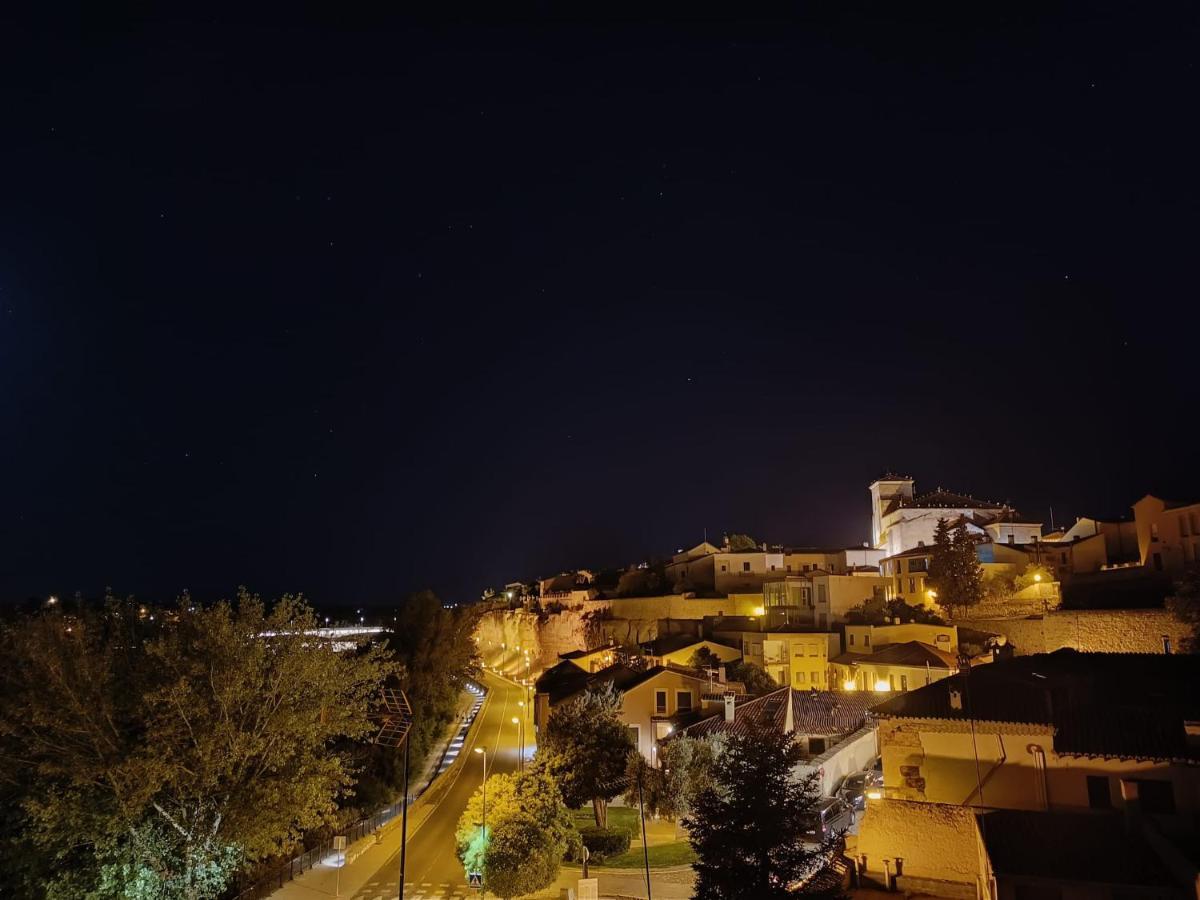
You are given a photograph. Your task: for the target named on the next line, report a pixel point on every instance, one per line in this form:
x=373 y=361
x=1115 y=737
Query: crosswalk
x=460 y=738
x=412 y=891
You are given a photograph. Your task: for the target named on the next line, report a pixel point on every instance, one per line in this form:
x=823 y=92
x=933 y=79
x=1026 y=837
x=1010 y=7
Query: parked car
x=832 y=818
x=853 y=791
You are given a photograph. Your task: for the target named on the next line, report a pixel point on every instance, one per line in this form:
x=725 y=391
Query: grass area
x=673 y=853
x=623 y=817
x=679 y=853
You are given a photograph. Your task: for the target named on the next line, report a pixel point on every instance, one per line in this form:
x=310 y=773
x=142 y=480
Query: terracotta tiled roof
x=813 y=712
x=909 y=653
x=940 y=499
x=1122 y=705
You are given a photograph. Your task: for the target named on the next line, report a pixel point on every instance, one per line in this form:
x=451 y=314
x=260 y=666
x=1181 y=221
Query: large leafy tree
x=756 y=679
x=436 y=649
x=527 y=833
x=585 y=748
x=748 y=828
x=954 y=571
x=158 y=751
x=685 y=769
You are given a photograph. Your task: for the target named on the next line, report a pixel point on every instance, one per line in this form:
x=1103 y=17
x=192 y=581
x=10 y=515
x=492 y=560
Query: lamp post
x=520 y=723
x=483 y=753
x=396 y=719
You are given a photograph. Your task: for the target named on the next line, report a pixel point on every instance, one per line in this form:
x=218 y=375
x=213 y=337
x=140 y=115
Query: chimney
x=955 y=698
x=721 y=673
x=730 y=705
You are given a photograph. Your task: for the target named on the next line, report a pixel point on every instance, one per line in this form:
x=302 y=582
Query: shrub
x=601 y=843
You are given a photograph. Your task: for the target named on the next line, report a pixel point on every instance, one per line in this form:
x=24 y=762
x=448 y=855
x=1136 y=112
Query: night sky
x=359 y=307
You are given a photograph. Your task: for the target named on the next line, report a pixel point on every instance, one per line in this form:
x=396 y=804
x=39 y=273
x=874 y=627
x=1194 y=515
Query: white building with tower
x=901 y=519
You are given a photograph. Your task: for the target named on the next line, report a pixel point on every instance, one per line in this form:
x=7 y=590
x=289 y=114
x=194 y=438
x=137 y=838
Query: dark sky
x=358 y=307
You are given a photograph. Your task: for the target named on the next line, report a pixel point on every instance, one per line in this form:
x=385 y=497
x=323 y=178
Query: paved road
x=433 y=867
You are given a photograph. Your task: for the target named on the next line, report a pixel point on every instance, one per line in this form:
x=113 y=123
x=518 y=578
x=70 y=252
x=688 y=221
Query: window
x=1156 y=797
x=1012 y=538
x=904 y=682
x=912 y=585
x=799 y=678
x=816 y=745
x=660 y=702
x=635 y=732
x=866 y=640
x=745 y=567
x=892 y=682
x=815 y=677
x=683 y=701
x=851 y=640
x=724 y=568
x=1166 y=638
x=789 y=567
x=1099 y=794
x=772 y=567
x=1154 y=531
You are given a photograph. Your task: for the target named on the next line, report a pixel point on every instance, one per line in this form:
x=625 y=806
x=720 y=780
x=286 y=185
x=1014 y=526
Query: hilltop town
x=971 y=722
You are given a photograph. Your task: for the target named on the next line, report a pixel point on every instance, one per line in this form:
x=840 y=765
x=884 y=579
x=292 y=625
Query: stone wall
x=1092 y=630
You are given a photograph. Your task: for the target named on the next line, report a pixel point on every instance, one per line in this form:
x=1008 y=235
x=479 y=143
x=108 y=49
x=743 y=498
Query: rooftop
x=670 y=643
x=908 y=653
x=1123 y=705
x=941 y=499
x=562 y=684
x=1088 y=847
x=812 y=712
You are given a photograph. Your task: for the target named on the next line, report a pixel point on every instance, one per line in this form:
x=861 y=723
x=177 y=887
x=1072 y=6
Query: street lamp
x=520 y=723
x=483 y=753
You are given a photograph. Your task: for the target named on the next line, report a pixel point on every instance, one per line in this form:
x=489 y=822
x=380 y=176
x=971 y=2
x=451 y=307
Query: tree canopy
x=528 y=831
x=585 y=747
x=150 y=755
x=747 y=828
x=685 y=769
x=954 y=571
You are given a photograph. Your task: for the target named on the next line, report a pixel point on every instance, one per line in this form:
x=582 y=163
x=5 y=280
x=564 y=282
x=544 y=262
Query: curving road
x=433 y=867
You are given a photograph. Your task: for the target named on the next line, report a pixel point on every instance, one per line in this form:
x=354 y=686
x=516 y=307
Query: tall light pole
x=520 y=723
x=483 y=753
x=396 y=719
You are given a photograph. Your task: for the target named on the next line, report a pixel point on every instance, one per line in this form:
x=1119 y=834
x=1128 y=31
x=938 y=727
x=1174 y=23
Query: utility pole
x=396 y=723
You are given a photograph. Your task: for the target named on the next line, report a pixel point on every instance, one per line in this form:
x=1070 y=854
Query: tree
x=528 y=831
x=704 y=659
x=437 y=651
x=969 y=574
x=753 y=676
x=1184 y=603
x=685 y=769
x=585 y=748
x=954 y=571
x=159 y=750
x=748 y=828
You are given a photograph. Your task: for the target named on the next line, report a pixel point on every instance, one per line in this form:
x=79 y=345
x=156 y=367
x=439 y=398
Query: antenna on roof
x=1051 y=518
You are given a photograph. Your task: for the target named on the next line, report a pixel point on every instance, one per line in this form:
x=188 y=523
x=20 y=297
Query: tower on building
x=884 y=491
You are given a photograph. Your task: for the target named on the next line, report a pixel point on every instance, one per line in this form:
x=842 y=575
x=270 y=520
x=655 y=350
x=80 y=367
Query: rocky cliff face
x=505 y=635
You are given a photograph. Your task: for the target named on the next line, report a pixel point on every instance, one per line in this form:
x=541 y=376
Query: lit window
x=745 y=567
